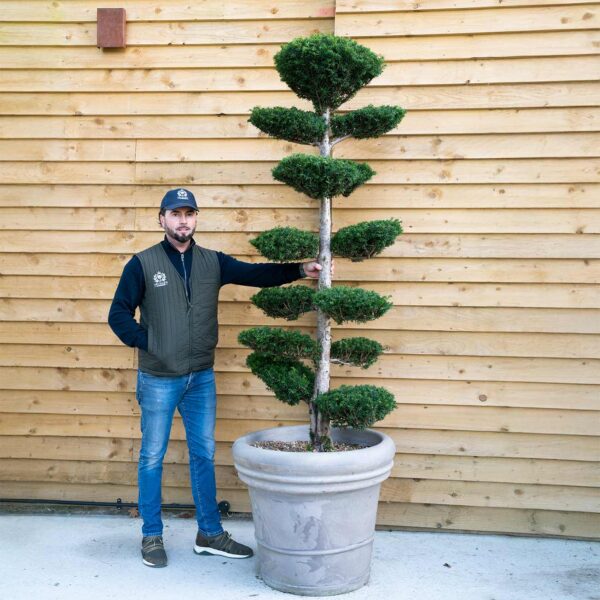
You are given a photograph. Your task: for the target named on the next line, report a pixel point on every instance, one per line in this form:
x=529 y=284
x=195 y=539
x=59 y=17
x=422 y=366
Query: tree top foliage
x=326 y=69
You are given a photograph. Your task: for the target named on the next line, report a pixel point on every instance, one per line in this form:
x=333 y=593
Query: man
x=176 y=285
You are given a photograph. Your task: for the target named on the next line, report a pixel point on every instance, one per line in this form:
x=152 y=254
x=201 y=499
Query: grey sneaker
x=153 y=551
x=221 y=545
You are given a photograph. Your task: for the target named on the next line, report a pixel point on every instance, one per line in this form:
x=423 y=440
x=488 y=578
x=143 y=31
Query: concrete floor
x=78 y=556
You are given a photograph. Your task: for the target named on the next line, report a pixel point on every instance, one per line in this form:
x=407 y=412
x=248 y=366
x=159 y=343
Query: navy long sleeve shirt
x=131 y=288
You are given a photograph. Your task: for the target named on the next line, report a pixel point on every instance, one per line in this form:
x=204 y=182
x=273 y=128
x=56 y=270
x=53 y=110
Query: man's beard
x=180 y=236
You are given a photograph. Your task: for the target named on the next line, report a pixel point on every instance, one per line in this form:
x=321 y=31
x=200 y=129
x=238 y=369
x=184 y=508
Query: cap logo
x=160 y=279
x=182 y=194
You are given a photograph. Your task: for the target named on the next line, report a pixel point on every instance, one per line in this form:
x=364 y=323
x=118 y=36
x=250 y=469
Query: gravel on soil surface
x=303 y=446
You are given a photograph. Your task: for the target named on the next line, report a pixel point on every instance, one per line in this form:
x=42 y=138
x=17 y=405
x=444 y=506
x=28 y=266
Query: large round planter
x=314 y=513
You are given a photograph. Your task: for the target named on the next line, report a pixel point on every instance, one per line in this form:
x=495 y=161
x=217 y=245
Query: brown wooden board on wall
x=111 y=28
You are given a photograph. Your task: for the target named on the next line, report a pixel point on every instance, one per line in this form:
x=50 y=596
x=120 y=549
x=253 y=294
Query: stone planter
x=314 y=513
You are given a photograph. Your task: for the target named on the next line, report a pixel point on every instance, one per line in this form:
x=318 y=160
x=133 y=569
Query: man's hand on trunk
x=313 y=268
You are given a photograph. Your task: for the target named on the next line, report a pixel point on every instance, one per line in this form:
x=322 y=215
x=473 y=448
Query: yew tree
x=328 y=71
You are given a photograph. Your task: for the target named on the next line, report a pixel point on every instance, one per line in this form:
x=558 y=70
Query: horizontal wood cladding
x=421 y=293
x=460 y=21
x=492 y=346
x=404 y=515
x=169 y=10
x=410 y=246
x=452 y=221
x=557 y=370
x=572 y=498
x=569 y=397
x=394 y=32
x=456 y=72
x=399 y=197
x=550 y=145
x=581 y=246
x=445 y=97
x=370 y=6
x=426 y=440
x=512 y=521
x=398 y=23
x=464 y=171
x=422 y=48
x=85 y=10
x=459 y=343
x=407 y=465
x=226 y=127
x=486 y=45
x=408 y=416
x=433 y=318
x=146 y=33
x=446 y=270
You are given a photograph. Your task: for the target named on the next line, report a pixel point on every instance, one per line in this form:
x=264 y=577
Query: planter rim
x=379 y=454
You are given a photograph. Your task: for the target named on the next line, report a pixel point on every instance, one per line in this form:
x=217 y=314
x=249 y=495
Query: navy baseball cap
x=178 y=199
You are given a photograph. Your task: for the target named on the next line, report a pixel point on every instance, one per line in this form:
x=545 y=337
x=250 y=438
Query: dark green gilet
x=182 y=335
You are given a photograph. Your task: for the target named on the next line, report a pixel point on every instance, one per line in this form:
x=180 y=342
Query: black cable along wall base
x=224 y=505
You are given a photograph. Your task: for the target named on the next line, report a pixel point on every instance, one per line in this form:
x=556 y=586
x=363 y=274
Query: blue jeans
x=194 y=395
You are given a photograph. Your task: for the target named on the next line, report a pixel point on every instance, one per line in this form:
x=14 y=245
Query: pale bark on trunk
x=319 y=425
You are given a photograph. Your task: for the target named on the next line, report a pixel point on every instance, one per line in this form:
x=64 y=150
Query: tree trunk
x=319 y=425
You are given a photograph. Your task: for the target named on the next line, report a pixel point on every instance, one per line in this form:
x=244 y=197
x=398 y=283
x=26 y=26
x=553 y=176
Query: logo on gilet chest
x=160 y=279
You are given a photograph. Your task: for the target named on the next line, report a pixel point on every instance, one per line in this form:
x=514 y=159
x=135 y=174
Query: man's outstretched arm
x=263 y=274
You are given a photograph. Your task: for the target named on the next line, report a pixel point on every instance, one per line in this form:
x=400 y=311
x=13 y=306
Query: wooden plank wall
x=89 y=142
x=495 y=174
x=494 y=337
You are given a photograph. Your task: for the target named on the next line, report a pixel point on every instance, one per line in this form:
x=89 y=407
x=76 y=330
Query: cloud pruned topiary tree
x=328 y=71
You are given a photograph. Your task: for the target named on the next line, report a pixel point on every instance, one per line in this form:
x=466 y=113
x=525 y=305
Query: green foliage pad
x=368 y=122
x=292 y=124
x=322 y=177
x=325 y=69
x=356 y=351
x=280 y=343
x=290 y=380
x=285 y=244
x=357 y=406
x=365 y=240
x=343 y=303
x=285 y=302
